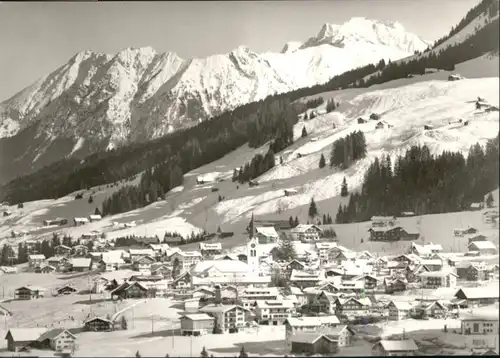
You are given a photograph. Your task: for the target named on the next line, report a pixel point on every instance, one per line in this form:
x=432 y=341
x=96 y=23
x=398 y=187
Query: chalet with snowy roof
x=80 y=264
x=382 y=221
x=477 y=296
x=220 y=268
x=386 y=348
x=94 y=217
x=110 y=263
x=480 y=322
x=266 y=235
x=254 y=294
x=322 y=250
x=471 y=271
x=57 y=221
x=228 y=318
x=79 y=251
x=393 y=285
x=342 y=257
x=134 y=253
x=433 y=264
x=273 y=312
x=434 y=309
x=483 y=247
x=478 y=237
x=130 y=290
x=143 y=264
x=352 y=307
x=45 y=269
x=306 y=233
x=21 y=338
x=379 y=264
x=36 y=261
x=326 y=302
x=412 y=272
x=66 y=290
x=290 y=192
x=425 y=250
x=476 y=206
x=354 y=286
x=210 y=249
x=385 y=233
x=159 y=249
x=163 y=270
x=305 y=279
x=62 y=250
x=369 y=282
x=80 y=221
x=183 y=281
x=365 y=255
x=295 y=265
x=61 y=263
x=29 y=292
x=196 y=324
x=312 y=343
x=298 y=325
x=57 y=339
x=332 y=253
x=98 y=324
x=399 y=310
x=186 y=259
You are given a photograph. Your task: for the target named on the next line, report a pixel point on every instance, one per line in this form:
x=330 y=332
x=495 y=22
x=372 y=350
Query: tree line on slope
x=218 y=136
x=486 y=6
x=424 y=183
x=189 y=148
x=347 y=150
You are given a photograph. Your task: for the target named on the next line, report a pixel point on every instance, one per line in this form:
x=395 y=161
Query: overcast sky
x=37 y=38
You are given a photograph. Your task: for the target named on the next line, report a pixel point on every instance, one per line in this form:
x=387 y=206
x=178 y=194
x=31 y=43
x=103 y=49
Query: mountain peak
x=360 y=30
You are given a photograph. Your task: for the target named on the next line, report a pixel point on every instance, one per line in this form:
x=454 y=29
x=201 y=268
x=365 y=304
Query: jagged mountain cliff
x=98 y=101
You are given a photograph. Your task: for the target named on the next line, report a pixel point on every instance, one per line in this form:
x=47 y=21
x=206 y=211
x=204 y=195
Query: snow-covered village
x=337 y=198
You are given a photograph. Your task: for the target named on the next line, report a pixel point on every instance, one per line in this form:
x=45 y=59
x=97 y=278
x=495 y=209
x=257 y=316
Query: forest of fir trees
x=424 y=183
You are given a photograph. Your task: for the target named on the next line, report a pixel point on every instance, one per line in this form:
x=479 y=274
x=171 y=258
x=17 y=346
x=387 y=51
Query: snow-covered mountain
x=99 y=101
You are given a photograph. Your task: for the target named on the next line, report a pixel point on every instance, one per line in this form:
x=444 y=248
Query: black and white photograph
x=282 y=178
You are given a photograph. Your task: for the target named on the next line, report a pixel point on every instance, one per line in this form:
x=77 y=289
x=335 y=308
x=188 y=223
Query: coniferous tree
x=313 y=210
x=204 y=353
x=343 y=189
x=124 y=323
x=243 y=354
x=91 y=199
x=489 y=200
x=330 y=105
x=305 y=117
x=304 y=132
x=322 y=161
x=339 y=219
x=137 y=354
x=324 y=219
x=291 y=222
x=296 y=222
x=286 y=250
x=97 y=211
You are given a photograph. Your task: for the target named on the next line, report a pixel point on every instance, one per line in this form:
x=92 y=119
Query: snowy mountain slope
x=139 y=94
x=469 y=30
x=407 y=108
x=407 y=104
x=361 y=30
